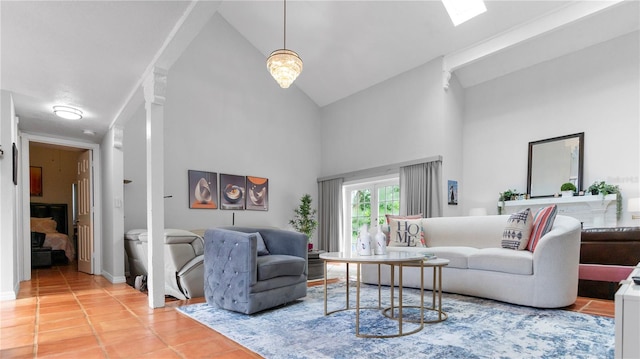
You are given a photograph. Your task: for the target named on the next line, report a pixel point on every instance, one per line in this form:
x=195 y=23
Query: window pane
x=388 y=202
x=360 y=211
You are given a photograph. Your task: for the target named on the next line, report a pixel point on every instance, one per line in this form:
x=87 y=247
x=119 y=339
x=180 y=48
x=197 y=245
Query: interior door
x=85 y=214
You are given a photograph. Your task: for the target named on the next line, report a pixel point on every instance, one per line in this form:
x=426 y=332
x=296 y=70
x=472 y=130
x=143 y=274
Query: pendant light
x=284 y=65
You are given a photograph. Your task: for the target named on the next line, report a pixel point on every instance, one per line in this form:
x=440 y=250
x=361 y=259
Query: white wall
x=452 y=123
x=9 y=283
x=224 y=113
x=135 y=152
x=595 y=91
x=112 y=211
x=407 y=117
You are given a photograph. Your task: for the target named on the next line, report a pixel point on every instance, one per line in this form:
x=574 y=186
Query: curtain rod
x=379 y=171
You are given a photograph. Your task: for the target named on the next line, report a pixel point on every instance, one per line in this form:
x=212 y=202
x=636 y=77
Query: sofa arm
x=556 y=260
x=230 y=266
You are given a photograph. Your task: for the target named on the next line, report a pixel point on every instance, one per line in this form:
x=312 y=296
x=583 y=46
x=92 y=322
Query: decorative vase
x=310 y=246
x=380 y=243
x=363 y=244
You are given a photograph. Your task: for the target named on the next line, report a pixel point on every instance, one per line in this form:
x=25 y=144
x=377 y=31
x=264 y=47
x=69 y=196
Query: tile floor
x=62 y=313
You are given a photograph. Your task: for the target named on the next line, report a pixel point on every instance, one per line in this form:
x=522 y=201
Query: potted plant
x=568 y=189
x=603 y=188
x=508 y=195
x=304 y=220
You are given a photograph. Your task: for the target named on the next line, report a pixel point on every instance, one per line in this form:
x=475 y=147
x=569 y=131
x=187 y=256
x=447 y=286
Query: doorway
x=58 y=162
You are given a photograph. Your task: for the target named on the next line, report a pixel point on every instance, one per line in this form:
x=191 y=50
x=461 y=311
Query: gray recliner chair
x=183 y=261
x=248 y=270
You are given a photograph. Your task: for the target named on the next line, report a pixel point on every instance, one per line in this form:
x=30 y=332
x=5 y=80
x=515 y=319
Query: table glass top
x=395 y=256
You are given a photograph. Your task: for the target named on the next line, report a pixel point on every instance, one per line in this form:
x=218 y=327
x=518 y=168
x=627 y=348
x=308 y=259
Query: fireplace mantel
x=592 y=211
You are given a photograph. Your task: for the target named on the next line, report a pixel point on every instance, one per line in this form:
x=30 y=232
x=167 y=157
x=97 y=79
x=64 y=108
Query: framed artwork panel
x=203 y=189
x=452 y=193
x=257 y=193
x=232 y=192
x=35 y=181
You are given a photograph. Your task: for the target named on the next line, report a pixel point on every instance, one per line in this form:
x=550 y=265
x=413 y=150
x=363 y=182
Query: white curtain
x=421 y=189
x=330 y=214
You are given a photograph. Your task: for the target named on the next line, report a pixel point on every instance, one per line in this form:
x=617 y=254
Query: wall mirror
x=555 y=161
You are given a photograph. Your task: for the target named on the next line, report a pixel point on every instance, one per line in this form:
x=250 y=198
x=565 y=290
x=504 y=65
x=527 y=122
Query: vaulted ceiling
x=93 y=54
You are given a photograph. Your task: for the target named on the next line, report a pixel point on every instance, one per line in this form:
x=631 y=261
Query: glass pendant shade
x=285 y=66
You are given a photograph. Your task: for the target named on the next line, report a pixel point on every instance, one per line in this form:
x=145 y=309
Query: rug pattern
x=476 y=328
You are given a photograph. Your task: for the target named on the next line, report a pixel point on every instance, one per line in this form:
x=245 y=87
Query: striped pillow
x=542 y=223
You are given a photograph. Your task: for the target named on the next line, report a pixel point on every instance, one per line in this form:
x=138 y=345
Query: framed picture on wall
x=452 y=193
x=257 y=193
x=15 y=164
x=232 y=190
x=203 y=189
x=35 y=181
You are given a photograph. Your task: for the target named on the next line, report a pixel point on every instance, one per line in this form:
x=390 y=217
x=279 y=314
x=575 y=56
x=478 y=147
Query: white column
x=154 y=95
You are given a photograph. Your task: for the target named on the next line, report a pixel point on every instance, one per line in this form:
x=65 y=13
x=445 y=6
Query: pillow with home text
x=389 y=217
x=406 y=233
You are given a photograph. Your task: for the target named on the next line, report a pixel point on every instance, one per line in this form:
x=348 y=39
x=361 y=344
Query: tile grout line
x=147 y=326
x=86 y=315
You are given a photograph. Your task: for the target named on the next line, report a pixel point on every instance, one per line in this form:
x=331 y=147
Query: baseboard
x=114 y=279
x=8 y=295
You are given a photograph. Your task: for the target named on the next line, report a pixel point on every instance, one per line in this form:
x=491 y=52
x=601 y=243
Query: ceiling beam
x=568 y=14
x=185 y=30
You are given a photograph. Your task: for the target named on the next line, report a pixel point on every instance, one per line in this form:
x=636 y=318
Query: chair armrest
x=229 y=255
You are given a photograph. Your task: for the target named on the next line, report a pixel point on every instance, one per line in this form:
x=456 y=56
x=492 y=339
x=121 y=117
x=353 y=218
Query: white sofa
x=183 y=260
x=479 y=266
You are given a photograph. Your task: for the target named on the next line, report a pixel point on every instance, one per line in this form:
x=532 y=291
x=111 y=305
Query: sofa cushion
x=542 y=223
x=406 y=233
x=278 y=265
x=502 y=260
x=516 y=233
x=457 y=256
x=262 y=248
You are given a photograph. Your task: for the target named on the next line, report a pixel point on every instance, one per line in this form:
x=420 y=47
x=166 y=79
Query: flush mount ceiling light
x=463 y=10
x=67 y=112
x=284 y=65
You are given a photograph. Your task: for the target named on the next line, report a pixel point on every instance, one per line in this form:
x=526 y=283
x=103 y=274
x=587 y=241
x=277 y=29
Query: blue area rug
x=476 y=328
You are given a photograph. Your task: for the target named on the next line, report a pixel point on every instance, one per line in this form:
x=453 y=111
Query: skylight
x=463 y=10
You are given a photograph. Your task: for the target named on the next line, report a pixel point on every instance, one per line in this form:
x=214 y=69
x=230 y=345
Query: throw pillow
x=389 y=217
x=406 y=233
x=43 y=225
x=262 y=248
x=542 y=223
x=518 y=230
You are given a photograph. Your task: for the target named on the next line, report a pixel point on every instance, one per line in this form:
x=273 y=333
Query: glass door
x=367 y=204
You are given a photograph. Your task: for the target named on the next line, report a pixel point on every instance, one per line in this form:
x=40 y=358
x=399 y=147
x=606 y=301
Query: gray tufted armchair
x=248 y=270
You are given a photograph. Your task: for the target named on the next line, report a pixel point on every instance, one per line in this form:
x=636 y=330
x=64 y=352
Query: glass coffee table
x=392 y=259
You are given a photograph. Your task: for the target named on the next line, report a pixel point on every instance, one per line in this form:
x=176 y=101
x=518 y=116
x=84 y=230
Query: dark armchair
x=248 y=270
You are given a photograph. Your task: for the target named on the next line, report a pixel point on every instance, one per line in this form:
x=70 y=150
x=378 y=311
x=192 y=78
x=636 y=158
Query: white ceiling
x=92 y=54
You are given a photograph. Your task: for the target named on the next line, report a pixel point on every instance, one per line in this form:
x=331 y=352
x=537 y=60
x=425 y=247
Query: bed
x=51 y=219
